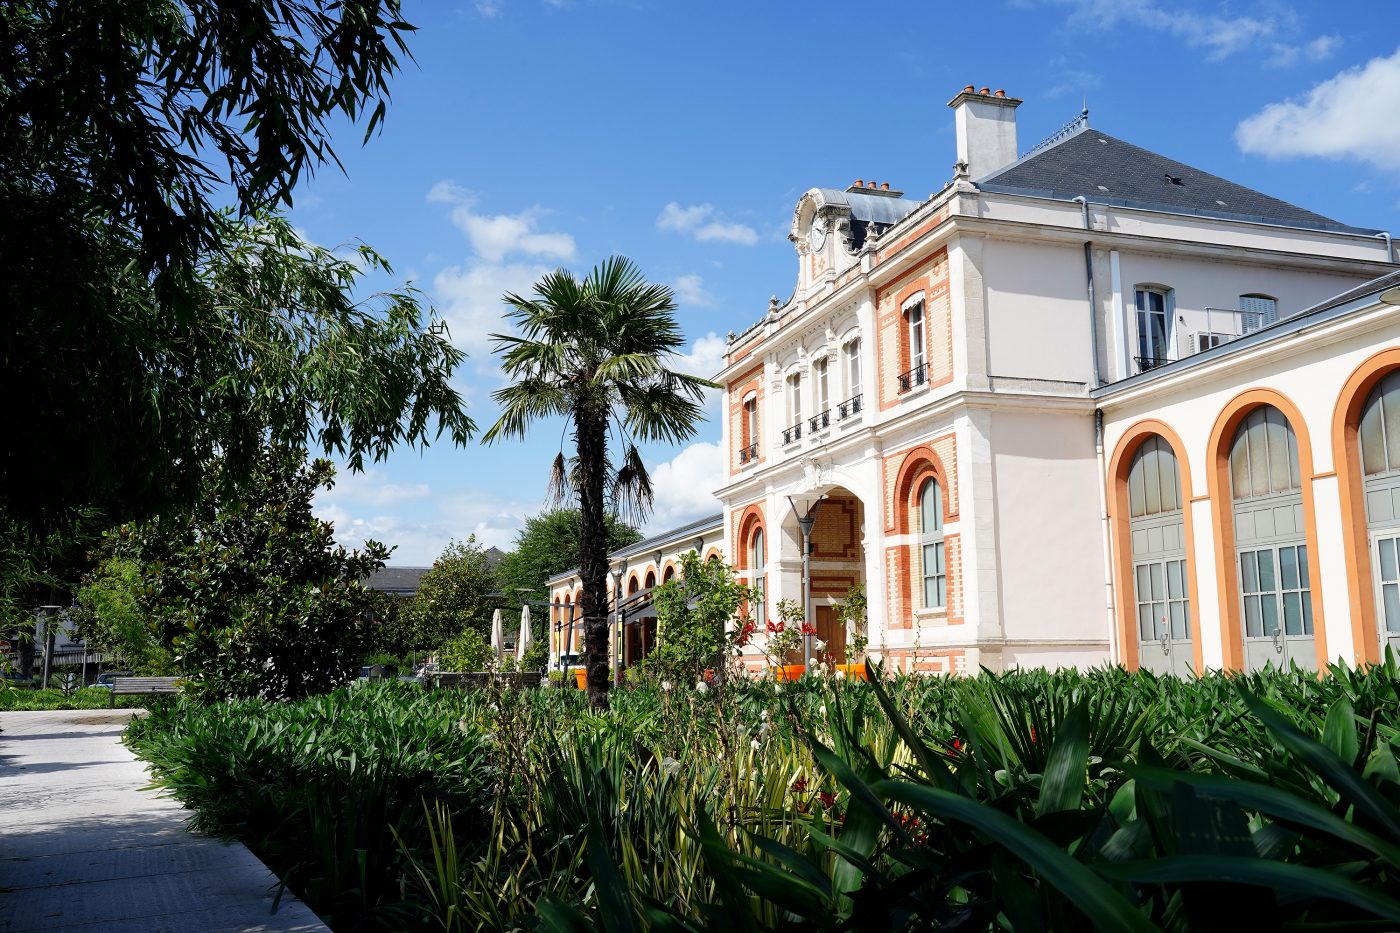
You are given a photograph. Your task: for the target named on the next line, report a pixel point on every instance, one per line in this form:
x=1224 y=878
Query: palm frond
x=631 y=494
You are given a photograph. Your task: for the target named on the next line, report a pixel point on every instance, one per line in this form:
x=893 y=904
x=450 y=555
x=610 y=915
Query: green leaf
x=1062 y=787
x=1292 y=881
x=1081 y=887
x=1339 y=731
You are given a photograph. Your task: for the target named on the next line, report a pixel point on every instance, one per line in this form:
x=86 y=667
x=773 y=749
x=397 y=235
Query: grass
x=1023 y=801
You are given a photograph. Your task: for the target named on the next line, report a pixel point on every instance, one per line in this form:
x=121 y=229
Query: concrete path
x=82 y=847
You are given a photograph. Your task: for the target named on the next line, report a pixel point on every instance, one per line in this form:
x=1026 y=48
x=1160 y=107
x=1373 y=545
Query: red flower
x=771 y=627
x=957 y=747
x=808 y=629
x=799 y=785
x=827 y=798
x=1033 y=738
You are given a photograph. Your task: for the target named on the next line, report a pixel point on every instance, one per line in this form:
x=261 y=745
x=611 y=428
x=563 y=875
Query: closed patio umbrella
x=498 y=640
x=522 y=644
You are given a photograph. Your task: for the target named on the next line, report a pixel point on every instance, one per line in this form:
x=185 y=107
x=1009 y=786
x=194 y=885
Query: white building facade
x=977 y=387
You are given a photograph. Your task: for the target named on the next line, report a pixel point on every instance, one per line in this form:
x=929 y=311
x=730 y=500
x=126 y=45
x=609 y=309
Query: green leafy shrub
x=536 y=657
x=467 y=651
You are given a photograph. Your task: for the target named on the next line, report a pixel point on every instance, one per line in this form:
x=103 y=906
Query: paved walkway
x=83 y=847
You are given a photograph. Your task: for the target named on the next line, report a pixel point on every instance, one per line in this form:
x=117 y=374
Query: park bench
x=479 y=679
x=142 y=686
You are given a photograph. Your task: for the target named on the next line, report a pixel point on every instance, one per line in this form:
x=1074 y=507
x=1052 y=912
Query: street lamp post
x=806 y=509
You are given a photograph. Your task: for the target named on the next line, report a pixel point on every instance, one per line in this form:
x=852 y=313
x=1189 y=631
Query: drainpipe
x=1107 y=542
x=1389 y=247
x=1083 y=203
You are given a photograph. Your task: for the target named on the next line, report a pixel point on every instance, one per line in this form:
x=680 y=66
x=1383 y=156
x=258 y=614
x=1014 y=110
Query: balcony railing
x=748 y=453
x=1144 y=363
x=849 y=408
x=793 y=433
x=914 y=377
x=821 y=419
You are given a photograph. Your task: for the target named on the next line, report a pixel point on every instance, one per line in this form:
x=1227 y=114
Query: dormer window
x=1257 y=311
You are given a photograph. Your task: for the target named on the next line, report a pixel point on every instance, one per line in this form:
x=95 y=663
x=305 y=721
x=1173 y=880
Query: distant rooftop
x=1107 y=170
x=655 y=542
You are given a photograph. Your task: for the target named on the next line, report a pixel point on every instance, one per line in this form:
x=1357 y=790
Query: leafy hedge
x=1026 y=801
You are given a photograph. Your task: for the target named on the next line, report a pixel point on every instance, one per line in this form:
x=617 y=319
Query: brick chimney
x=986 y=129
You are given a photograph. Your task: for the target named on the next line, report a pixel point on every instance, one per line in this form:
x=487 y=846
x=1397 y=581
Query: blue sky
x=531 y=134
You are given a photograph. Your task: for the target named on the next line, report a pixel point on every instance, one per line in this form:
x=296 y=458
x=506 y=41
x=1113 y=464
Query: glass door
x=1277 y=601
x=1385 y=548
x=1164 y=618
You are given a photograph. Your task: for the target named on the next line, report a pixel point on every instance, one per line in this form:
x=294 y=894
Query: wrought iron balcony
x=849 y=408
x=793 y=433
x=1144 y=363
x=914 y=377
x=748 y=453
x=821 y=419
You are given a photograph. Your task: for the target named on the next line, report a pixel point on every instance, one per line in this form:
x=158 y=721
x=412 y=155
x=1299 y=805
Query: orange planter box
x=581 y=678
x=791 y=671
x=852 y=671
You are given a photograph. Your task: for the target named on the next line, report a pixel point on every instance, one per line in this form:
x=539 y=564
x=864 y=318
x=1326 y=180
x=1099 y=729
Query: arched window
x=651 y=579
x=1378 y=435
x=931 y=541
x=1271 y=542
x=1157 y=532
x=1379 y=431
x=669 y=574
x=633 y=585
x=758 y=559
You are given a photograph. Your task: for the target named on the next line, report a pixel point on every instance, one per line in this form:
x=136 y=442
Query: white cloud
x=1221 y=36
x=488 y=8
x=499 y=235
x=706 y=357
x=371 y=487
x=1348 y=116
x=690 y=290
x=1072 y=80
x=469 y=298
x=1318 y=50
x=418 y=541
x=705 y=224
x=684 y=486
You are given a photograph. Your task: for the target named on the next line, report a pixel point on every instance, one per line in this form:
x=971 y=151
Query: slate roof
x=402 y=580
x=1107 y=170
x=882 y=210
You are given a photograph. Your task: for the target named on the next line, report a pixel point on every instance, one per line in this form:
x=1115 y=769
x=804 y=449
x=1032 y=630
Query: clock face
x=816 y=236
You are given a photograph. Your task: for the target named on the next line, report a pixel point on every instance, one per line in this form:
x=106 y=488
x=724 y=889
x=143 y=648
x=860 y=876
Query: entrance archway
x=837 y=562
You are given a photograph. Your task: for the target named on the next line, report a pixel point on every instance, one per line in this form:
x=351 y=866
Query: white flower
x=764 y=729
x=666 y=686
x=821 y=645
x=670 y=765
x=494 y=708
x=840 y=675
x=763 y=715
x=701 y=687
x=754 y=744
x=822 y=710
x=463 y=725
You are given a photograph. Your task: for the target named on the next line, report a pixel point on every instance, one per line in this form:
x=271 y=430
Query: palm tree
x=594 y=351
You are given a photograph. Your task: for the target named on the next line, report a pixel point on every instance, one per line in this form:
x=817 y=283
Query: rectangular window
x=853 y=368
x=794 y=399
x=1152 y=327
x=914 y=315
x=760 y=609
x=935 y=579
x=751 y=422
x=823 y=386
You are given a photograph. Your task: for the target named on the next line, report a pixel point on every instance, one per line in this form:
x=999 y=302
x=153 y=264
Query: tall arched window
x=1271 y=542
x=1157 y=527
x=1379 y=437
x=758 y=559
x=931 y=542
x=651 y=579
x=669 y=574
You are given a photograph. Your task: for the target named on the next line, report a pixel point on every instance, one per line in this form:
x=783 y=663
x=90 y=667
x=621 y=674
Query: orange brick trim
x=1346 y=459
x=919 y=464
x=1218 y=479
x=1122 y=542
x=750 y=521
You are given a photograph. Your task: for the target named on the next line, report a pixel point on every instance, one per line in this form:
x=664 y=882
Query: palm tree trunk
x=591 y=442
